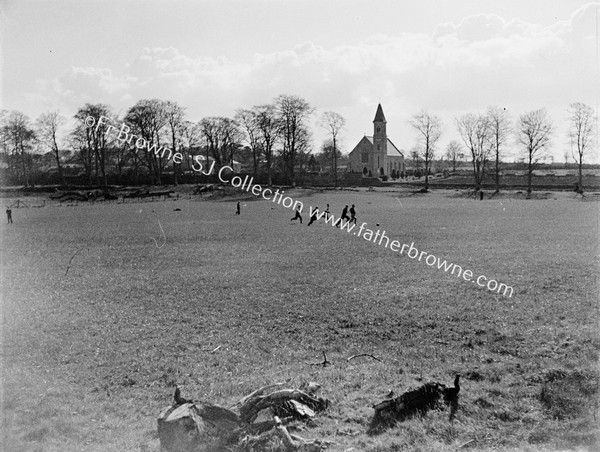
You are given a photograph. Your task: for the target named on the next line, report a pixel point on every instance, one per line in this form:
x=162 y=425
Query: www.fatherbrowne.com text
x=247 y=184
x=380 y=238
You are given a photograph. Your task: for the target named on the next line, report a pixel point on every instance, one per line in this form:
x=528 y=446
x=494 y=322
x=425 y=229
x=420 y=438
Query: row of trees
x=486 y=135
x=276 y=135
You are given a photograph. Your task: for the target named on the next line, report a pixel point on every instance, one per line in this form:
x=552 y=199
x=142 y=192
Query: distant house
x=376 y=155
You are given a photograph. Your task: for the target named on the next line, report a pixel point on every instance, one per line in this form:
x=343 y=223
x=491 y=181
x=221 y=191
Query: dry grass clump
x=569 y=394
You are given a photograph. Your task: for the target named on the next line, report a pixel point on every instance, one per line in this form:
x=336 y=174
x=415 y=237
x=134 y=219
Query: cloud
x=466 y=66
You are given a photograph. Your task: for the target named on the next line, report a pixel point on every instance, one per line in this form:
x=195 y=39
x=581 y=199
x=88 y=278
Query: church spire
x=379 y=117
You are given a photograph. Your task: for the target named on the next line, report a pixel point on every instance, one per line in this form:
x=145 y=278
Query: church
x=377 y=156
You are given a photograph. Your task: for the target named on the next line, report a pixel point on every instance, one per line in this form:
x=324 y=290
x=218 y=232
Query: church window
x=365 y=157
x=379 y=147
x=378 y=129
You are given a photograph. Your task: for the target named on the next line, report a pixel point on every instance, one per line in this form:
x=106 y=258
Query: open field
x=102 y=316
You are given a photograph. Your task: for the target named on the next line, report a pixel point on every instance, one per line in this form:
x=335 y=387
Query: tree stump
x=189 y=426
x=196 y=427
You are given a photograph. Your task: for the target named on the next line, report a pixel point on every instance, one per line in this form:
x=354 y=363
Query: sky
x=214 y=57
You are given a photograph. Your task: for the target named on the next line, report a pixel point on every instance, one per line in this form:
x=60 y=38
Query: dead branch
x=211 y=350
x=364 y=354
x=465 y=444
x=258 y=393
x=322 y=363
x=71 y=260
x=291 y=401
x=291 y=443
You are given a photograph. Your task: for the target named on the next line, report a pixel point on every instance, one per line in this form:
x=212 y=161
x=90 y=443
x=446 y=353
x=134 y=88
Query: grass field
x=100 y=321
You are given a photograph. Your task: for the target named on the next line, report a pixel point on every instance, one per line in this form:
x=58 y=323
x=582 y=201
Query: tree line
x=486 y=135
x=276 y=135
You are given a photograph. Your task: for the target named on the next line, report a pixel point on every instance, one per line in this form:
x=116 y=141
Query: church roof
x=392 y=150
x=379 y=117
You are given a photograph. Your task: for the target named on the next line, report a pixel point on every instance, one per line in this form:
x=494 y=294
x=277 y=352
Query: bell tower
x=379 y=143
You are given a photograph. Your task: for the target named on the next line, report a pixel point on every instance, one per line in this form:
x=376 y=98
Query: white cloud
x=480 y=61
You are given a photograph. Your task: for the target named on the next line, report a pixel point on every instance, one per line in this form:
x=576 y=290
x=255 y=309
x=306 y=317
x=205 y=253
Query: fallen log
x=279 y=439
x=190 y=426
x=289 y=401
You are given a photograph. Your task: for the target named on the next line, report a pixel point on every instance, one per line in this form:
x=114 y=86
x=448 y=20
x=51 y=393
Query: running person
x=238 y=208
x=344 y=216
x=313 y=217
x=298 y=216
x=345 y=213
x=352 y=214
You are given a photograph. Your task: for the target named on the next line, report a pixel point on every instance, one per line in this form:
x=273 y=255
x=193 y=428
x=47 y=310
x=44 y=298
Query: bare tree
x=232 y=139
x=475 y=132
x=249 y=122
x=93 y=141
x=174 y=115
x=223 y=138
x=454 y=153
x=333 y=122
x=48 y=125
x=534 y=130
x=269 y=133
x=326 y=157
x=192 y=137
x=582 y=133
x=429 y=131
x=499 y=131
x=211 y=130
x=293 y=112
x=19 y=137
x=123 y=153
x=148 y=119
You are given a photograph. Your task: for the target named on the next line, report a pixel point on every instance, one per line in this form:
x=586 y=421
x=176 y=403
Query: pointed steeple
x=379 y=117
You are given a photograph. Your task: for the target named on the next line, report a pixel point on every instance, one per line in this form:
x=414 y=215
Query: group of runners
x=315 y=215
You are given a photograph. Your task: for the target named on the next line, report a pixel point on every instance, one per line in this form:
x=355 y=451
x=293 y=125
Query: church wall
x=356 y=157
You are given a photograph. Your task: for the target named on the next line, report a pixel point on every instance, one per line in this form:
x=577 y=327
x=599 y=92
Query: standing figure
x=9 y=214
x=327 y=212
x=238 y=208
x=352 y=214
x=313 y=217
x=298 y=216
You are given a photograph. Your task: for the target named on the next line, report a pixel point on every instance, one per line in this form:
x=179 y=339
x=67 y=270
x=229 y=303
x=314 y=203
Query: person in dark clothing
x=9 y=214
x=238 y=208
x=313 y=217
x=344 y=216
x=327 y=212
x=352 y=214
x=298 y=216
x=345 y=213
